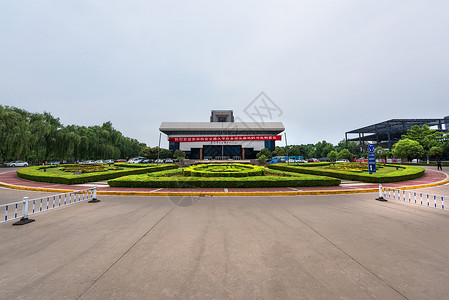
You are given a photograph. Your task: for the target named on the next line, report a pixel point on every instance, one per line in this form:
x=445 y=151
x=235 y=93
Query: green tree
x=279 y=151
x=323 y=148
x=332 y=155
x=408 y=148
x=262 y=158
x=265 y=152
x=425 y=136
x=436 y=151
x=179 y=154
x=344 y=154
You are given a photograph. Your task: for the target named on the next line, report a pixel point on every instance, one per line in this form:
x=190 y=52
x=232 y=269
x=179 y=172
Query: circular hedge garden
x=223 y=170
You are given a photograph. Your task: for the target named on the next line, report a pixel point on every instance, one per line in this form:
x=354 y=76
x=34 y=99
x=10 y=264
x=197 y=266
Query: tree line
x=318 y=150
x=418 y=142
x=37 y=137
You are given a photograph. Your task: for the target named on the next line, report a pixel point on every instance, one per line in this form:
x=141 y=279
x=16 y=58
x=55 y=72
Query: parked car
x=54 y=163
x=169 y=160
x=108 y=161
x=135 y=160
x=99 y=161
x=159 y=161
x=324 y=159
x=312 y=160
x=301 y=161
x=19 y=163
x=120 y=160
x=342 y=161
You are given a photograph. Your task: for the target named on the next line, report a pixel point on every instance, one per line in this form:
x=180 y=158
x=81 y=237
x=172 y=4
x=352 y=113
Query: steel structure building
x=387 y=133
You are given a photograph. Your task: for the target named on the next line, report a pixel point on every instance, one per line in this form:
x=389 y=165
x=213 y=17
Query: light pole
x=286 y=147
x=222 y=143
x=159 y=148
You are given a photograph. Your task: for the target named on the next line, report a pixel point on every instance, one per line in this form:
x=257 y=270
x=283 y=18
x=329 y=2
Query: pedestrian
x=439 y=165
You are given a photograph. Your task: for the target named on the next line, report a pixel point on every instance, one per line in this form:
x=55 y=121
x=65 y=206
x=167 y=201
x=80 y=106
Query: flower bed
x=223 y=170
x=91 y=168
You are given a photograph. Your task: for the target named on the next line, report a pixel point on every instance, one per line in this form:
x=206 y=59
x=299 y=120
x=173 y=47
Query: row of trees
x=417 y=143
x=420 y=142
x=37 y=137
x=320 y=149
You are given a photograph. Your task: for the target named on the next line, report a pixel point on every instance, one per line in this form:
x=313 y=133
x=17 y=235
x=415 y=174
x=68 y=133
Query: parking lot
x=320 y=247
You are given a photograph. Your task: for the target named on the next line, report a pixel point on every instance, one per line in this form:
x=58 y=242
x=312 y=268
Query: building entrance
x=216 y=151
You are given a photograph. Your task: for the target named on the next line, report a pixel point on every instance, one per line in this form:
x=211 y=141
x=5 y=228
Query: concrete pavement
x=298 y=247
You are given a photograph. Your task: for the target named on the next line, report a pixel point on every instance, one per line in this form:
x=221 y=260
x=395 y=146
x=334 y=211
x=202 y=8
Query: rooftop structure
x=387 y=133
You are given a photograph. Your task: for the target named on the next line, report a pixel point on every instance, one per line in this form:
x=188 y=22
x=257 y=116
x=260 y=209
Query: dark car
x=324 y=159
x=311 y=160
x=120 y=160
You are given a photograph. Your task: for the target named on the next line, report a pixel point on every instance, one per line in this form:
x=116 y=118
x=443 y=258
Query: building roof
x=397 y=125
x=168 y=127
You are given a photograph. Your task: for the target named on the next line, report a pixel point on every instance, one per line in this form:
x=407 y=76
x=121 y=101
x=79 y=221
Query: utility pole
x=222 y=143
x=159 y=148
x=286 y=147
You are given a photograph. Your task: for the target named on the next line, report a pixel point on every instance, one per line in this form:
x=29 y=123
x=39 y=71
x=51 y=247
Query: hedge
x=224 y=170
x=165 y=181
x=405 y=173
x=36 y=174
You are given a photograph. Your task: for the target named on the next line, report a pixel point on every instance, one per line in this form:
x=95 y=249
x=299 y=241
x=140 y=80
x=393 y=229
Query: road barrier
x=410 y=196
x=33 y=206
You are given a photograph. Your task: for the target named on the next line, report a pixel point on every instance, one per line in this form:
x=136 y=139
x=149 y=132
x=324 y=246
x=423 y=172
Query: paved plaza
x=277 y=247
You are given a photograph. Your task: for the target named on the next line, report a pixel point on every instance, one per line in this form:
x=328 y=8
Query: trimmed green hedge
x=404 y=173
x=224 y=170
x=37 y=174
x=174 y=181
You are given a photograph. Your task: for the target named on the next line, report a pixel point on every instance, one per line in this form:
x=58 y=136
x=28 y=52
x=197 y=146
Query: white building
x=222 y=138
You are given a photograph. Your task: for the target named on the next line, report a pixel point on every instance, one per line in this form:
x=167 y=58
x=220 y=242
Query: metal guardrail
x=22 y=209
x=411 y=196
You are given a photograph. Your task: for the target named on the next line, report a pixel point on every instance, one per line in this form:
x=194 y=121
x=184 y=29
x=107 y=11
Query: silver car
x=19 y=164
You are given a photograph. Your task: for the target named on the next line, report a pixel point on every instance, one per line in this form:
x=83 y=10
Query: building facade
x=222 y=138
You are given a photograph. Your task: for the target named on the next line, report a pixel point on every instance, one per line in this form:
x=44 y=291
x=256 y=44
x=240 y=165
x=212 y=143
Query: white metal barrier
x=411 y=196
x=22 y=209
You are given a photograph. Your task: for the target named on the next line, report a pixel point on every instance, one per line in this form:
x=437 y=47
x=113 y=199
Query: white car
x=301 y=161
x=19 y=164
x=343 y=161
x=168 y=160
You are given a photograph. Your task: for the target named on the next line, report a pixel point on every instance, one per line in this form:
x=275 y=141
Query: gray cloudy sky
x=330 y=66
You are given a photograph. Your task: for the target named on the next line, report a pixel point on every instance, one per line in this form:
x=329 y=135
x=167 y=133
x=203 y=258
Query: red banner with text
x=225 y=138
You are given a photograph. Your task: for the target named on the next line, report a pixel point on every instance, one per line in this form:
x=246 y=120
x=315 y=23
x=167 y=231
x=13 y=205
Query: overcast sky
x=329 y=66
